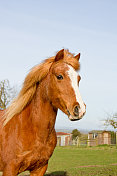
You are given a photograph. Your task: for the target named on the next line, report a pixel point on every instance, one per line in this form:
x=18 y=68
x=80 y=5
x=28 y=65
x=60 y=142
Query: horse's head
x=63 y=90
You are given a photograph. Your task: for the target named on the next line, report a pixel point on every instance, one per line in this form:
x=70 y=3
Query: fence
x=85 y=142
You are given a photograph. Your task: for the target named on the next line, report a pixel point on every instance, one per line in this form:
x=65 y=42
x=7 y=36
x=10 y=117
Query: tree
x=75 y=134
x=111 y=120
x=7 y=93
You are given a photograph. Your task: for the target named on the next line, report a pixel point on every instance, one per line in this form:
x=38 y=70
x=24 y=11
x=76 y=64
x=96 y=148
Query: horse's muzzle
x=77 y=115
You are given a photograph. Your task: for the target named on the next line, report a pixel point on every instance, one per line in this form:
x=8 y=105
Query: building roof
x=99 y=131
x=62 y=133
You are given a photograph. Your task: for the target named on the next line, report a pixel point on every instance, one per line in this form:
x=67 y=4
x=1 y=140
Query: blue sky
x=31 y=31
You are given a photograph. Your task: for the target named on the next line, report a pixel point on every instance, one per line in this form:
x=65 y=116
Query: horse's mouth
x=74 y=118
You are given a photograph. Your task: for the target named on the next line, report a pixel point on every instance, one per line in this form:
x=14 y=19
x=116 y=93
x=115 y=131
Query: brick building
x=64 y=139
x=99 y=138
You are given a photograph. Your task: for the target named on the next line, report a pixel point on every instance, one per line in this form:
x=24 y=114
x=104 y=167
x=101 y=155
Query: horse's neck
x=42 y=112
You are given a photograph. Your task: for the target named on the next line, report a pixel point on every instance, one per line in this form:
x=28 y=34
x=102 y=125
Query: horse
x=27 y=126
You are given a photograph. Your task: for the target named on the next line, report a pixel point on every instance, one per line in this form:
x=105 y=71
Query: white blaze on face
x=74 y=82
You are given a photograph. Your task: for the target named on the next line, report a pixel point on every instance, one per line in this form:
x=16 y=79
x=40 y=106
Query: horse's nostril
x=76 y=110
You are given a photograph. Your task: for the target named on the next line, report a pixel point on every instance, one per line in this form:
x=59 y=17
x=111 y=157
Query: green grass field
x=73 y=161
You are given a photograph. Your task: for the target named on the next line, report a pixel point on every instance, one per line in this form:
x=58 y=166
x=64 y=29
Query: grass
x=94 y=161
x=73 y=161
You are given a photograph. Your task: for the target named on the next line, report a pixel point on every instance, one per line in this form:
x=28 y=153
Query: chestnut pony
x=27 y=133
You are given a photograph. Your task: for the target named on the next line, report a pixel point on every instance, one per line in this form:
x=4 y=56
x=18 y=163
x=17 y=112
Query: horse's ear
x=79 y=78
x=59 y=55
x=77 y=56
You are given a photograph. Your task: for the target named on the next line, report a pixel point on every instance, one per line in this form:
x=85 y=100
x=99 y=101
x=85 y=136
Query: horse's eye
x=60 y=77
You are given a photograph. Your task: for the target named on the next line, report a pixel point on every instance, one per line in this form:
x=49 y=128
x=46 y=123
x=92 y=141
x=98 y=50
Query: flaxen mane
x=36 y=75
